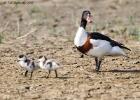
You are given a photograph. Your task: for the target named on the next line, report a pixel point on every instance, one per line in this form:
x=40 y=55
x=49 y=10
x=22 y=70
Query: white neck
x=80 y=37
x=22 y=63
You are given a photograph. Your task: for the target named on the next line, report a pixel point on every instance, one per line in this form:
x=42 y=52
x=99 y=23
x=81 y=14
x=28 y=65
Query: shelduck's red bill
x=89 y=18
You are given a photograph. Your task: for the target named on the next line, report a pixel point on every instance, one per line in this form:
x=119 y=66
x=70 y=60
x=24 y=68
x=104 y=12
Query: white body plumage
x=100 y=47
x=48 y=65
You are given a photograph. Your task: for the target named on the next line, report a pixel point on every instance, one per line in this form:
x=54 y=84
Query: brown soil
x=47 y=27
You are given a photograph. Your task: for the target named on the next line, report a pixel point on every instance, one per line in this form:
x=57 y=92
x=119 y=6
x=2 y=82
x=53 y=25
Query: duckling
x=27 y=64
x=48 y=64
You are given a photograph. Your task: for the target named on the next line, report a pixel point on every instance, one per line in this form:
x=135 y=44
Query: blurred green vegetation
x=133 y=29
x=1 y=38
x=134 y=32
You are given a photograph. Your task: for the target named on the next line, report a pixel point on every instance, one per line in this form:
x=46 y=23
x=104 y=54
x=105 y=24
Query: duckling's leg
x=31 y=75
x=26 y=73
x=81 y=56
x=56 y=75
x=49 y=73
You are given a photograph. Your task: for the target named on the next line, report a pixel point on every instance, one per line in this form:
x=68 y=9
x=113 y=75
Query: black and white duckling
x=27 y=64
x=48 y=64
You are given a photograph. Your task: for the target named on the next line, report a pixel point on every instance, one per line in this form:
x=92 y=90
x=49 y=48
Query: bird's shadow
x=60 y=77
x=64 y=77
x=124 y=71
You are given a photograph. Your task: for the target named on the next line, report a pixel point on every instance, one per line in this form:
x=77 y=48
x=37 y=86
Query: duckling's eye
x=40 y=57
x=21 y=56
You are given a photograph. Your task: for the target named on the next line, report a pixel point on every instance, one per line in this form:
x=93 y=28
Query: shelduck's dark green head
x=86 y=15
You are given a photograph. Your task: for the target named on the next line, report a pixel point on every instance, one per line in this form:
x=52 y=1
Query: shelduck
x=48 y=64
x=27 y=64
x=96 y=44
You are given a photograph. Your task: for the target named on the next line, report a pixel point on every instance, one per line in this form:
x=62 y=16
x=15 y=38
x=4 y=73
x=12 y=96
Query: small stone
x=100 y=82
x=36 y=96
x=27 y=87
x=108 y=87
x=98 y=88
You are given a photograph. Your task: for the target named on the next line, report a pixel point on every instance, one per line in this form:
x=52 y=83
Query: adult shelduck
x=96 y=44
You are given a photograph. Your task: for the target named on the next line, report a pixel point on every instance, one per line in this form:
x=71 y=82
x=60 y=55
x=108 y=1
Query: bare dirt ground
x=47 y=27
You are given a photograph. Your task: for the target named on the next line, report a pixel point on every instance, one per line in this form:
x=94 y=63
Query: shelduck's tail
x=122 y=46
x=115 y=43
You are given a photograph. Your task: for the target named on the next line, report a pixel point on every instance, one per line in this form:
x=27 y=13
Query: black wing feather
x=96 y=36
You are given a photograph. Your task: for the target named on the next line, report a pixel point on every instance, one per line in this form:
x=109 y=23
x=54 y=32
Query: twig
x=18 y=27
x=32 y=31
x=5 y=27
